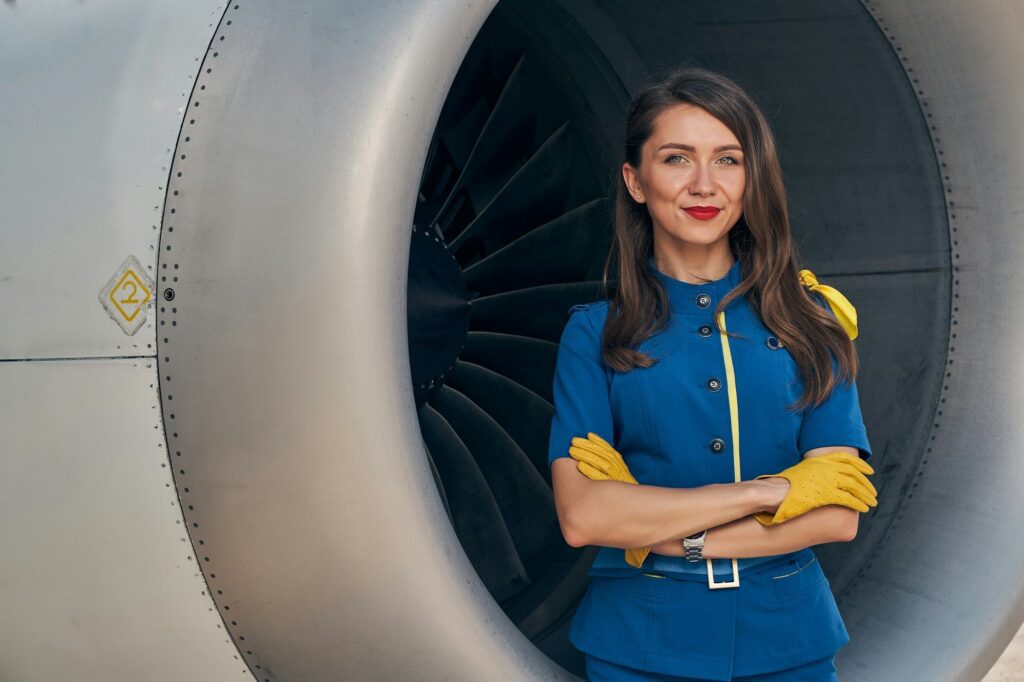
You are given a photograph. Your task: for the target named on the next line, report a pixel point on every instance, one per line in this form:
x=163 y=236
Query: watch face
x=695 y=535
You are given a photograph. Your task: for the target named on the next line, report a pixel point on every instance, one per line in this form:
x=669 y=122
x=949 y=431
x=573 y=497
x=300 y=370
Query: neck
x=694 y=269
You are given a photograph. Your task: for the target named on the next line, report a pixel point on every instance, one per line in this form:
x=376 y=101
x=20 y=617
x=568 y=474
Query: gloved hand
x=833 y=478
x=598 y=460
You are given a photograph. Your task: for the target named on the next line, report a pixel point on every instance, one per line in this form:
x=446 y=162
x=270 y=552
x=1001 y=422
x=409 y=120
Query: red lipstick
x=703 y=212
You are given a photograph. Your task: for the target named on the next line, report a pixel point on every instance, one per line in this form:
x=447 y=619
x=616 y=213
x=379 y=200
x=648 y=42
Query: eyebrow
x=691 y=148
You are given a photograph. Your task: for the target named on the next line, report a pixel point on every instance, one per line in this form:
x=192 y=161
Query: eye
x=733 y=161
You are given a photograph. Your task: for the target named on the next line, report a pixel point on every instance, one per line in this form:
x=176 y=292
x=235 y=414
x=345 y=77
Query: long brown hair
x=761 y=240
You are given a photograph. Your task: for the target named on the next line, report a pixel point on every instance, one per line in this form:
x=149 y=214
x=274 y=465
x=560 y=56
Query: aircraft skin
x=213 y=460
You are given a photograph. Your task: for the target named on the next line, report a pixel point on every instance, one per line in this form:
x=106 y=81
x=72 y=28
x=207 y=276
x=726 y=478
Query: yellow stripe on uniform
x=734 y=420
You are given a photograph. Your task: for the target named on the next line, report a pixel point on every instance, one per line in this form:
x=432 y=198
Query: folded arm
x=747 y=537
x=659 y=517
x=623 y=515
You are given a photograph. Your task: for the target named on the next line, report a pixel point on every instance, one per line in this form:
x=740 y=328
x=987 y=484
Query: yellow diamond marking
x=125 y=295
x=128 y=294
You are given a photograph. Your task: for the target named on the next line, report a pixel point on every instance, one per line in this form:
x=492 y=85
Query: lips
x=703 y=212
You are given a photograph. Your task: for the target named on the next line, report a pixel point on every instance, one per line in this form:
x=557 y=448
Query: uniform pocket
x=617 y=615
x=688 y=623
x=797 y=578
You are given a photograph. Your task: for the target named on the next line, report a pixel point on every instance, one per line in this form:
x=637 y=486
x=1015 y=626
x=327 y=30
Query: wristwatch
x=693 y=546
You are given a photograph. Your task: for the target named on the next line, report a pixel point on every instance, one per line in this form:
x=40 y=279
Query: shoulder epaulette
x=841 y=307
x=583 y=306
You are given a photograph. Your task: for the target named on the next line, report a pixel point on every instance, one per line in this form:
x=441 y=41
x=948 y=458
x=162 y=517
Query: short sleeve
x=580 y=388
x=836 y=421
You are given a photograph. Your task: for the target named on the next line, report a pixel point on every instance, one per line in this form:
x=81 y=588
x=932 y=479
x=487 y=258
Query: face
x=690 y=160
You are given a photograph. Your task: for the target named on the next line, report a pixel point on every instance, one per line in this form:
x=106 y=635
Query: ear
x=632 y=180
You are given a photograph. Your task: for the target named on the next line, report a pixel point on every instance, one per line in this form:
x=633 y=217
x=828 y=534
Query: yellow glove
x=598 y=460
x=833 y=478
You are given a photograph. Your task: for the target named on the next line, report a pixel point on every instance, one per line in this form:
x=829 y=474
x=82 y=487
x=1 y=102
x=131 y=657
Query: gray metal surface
x=91 y=100
x=284 y=355
x=98 y=581
x=922 y=610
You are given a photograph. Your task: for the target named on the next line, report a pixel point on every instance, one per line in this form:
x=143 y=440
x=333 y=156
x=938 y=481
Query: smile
x=703 y=213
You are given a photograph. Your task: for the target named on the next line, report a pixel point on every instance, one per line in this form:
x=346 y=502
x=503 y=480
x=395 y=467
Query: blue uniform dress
x=711 y=410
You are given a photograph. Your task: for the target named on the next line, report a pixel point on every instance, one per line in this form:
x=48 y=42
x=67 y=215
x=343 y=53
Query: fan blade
x=522 y=495
x=540 y=312
x=542 y=189
x=526 y=361
x=475 y=515
x=560 y=250
x=520 y=411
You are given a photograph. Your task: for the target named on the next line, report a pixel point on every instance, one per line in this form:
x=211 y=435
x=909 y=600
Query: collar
x=696 y=298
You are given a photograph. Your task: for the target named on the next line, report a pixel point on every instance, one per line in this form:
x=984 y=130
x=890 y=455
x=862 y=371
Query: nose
x=701 y=182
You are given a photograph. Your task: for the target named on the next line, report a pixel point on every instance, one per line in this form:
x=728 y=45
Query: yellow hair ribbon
x=844 y=311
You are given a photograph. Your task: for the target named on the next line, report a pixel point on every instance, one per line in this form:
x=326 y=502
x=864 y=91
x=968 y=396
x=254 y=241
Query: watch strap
x=693 y=546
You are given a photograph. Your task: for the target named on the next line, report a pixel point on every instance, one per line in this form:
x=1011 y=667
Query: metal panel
x=943 y=595
x=284 y=352
x=98 y=581
x=91 y=101
x=98 y=578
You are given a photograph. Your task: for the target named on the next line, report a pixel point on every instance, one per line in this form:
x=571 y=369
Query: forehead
x=689 y=124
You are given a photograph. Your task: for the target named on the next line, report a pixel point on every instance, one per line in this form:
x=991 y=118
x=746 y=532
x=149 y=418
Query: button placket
x=712 y=384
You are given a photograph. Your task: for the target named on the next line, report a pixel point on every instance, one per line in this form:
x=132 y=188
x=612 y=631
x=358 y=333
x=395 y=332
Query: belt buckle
x=735 y=582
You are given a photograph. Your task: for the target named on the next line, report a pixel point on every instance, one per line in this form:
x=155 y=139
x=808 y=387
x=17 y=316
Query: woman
x=711 y=341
